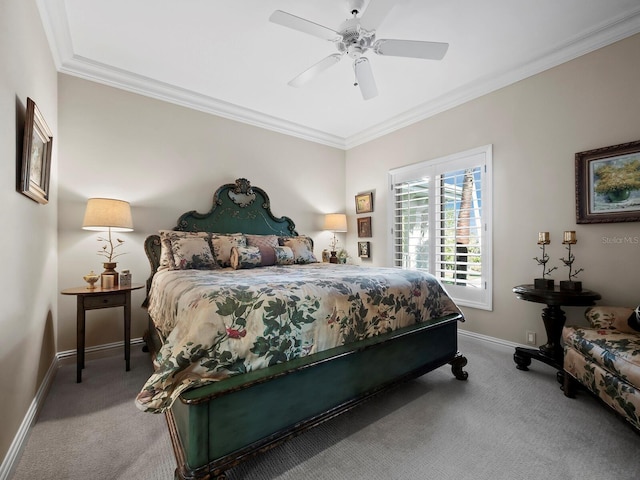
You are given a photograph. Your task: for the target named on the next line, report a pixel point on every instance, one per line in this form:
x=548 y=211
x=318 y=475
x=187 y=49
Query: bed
x=254 y=342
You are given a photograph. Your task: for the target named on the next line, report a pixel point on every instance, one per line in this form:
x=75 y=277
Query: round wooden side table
x=554 y=318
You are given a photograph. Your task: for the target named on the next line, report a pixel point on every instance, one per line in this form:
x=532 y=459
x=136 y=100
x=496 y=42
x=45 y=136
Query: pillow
x=250 y=257
x=192 y=252
x=222 y=245
x=168 y=254
x=634 y=320
x=245 y=257
x=262 y=241
x=302 y=248
x=284 y=256
x=623 y=319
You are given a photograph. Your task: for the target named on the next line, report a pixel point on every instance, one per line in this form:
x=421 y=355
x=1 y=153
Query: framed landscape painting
x=608 y=184
x=33 y=179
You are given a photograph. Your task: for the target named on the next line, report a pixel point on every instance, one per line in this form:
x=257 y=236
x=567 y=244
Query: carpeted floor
x=502 y=424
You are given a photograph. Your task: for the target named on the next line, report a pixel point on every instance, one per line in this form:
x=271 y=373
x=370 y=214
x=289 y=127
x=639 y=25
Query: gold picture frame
x=35 y=169
x=608 y=184
x=364 y=202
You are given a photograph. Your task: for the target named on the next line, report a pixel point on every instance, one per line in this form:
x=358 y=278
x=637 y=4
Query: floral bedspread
x=219 y=323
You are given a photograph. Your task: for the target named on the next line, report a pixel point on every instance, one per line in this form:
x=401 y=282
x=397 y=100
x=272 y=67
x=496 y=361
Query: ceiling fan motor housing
x=355 y=40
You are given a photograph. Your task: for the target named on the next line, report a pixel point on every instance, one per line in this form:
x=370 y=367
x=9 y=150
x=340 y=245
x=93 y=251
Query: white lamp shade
x=335 y=222
x=107 y=213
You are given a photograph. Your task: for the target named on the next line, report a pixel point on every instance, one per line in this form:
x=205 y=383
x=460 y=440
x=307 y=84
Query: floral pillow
x=222 y=245
x=185 y=250
x=192 y=252
x=302 y=248
x=284 y=256
x=166 y=256
x=245 y=257
x=251 y=257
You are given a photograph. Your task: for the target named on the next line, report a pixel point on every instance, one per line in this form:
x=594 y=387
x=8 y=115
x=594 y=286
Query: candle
x=543 y=238
x=569 y=237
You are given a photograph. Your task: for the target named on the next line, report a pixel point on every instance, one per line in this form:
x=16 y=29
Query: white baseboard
x=15 y=450
x=12 y=457
x=496 y=341
x=19 y=441
x=68 y=356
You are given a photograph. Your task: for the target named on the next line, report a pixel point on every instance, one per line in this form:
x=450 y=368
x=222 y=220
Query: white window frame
x=481 y=298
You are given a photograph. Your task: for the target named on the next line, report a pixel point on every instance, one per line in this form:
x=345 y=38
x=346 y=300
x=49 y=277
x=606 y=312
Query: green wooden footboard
x=216 y=426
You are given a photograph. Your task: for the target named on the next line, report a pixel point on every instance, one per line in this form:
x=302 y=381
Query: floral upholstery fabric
x=220 y=323
x=192 y=252
x=606 y=359
x=185 y=250
x=245 y=257
x=222 y=245
x=166 y=256
x=284 y=256
x=302 y=248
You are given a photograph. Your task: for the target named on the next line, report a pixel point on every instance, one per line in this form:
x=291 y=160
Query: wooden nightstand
x=101 y=298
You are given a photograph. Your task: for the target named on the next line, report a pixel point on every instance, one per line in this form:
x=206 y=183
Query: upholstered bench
x=605 y=358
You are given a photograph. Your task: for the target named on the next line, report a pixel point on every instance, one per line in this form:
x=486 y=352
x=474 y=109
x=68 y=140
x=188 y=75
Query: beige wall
x=167 y=160
x=536 y=126
x=28 y=286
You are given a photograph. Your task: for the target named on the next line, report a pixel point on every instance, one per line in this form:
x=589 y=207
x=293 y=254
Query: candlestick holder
x=571 y=285
x=544 y=283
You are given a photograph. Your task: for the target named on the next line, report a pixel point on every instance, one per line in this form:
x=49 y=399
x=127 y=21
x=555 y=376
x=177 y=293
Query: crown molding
x=599 y=37
x=107 y=75
x=53 y=16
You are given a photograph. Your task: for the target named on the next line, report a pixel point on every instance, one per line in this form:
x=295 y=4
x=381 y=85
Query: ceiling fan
x=354 y=38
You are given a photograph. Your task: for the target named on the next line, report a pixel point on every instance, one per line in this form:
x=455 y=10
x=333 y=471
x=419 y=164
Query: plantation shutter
x=440 y=213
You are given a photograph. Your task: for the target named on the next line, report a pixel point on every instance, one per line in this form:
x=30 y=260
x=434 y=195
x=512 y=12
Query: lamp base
x=109 y=278
x=333 y=258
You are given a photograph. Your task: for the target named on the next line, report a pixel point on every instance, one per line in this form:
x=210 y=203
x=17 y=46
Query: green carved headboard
x=237 y=207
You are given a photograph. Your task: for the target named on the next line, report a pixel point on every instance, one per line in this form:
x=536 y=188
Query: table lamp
x=108 y=215
x=335 y=222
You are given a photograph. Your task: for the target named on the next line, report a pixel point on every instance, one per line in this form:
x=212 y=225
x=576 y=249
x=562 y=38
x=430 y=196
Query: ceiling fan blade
x=375 y=13
x=316 y=69
x=287 y=20
x=364 y=77
x=411 y=48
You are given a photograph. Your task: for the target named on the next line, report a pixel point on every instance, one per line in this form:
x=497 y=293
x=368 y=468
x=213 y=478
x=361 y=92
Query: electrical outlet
x=531 y=338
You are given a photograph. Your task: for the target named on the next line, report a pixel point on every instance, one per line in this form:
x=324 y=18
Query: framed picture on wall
x=608 y=184
x=33 y=179
x=364 y=227
x=364 y=249
x=364 y=202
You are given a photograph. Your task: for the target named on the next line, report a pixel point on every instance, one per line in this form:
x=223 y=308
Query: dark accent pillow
x=634 y=319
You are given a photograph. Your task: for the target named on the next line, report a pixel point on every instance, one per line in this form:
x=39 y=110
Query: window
x=441 y=222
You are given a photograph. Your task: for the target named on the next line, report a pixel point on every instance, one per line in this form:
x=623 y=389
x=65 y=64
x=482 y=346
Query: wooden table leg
x=80 y=321
x=127 y=329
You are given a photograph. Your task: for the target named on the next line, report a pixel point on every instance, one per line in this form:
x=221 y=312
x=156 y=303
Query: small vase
x=91 y=279
x=621 y=195
x=109 y=278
